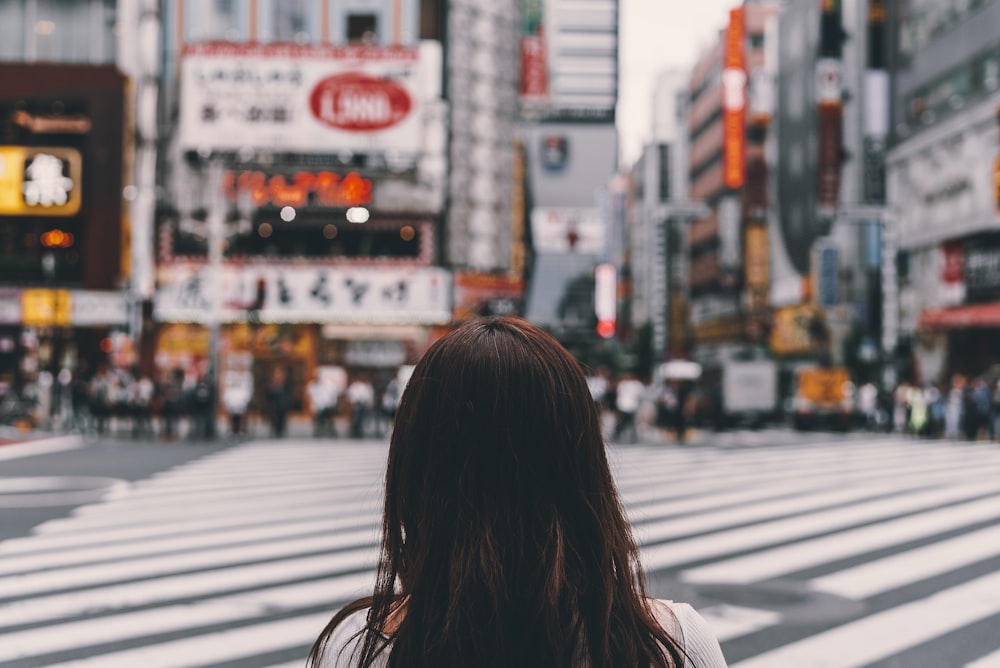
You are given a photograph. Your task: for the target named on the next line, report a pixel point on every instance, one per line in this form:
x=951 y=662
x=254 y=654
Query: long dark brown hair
x=504 y=541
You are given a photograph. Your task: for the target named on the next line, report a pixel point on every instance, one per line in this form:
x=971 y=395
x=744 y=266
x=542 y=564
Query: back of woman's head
x=502 y=527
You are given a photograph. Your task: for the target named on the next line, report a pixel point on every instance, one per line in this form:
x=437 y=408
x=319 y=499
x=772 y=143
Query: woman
x=504 y=542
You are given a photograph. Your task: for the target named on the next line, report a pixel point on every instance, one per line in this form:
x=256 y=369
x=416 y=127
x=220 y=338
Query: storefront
x=305 y=318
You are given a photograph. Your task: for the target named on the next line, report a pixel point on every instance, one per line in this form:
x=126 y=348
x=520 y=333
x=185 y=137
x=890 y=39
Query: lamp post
x=885 y=217
x=665 y=214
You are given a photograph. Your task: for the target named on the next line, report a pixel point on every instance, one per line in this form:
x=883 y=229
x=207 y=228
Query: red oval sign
x=359 y=102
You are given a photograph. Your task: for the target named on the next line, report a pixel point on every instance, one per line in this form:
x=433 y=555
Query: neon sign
x=734 y=81
x=326 y=188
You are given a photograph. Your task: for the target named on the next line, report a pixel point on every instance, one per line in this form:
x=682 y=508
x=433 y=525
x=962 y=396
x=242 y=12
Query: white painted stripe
x=172 y=545
x=231 y=645
x=731 y=621
x=42 y=446
x=768 y=533
x=165 y=589
x=867 y=640
x=89 y=576
x=229 y=609
x=179 y=509
x=882 y=575
x=344 y=515
x=861 y=496
x=988 y=661
x=787 y=559
x=291 y=664
x=208 y=495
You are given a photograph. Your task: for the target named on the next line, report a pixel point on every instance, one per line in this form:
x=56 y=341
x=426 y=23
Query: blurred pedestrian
x=278 y=401
x=236 y=399
x=322 y=396
x=388 y=402
x=505 y=542
x=361 y=396
x=627 y=402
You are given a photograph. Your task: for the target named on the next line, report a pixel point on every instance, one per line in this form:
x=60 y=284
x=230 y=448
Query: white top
x=630 y=393
x=690 y=629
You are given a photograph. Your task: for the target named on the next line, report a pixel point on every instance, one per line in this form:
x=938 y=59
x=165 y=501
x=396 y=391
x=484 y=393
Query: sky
x=653 y=35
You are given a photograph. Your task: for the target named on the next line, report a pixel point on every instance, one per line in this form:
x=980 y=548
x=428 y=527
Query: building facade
x=943 y=169
x=305 y=179
x=726 y=298
x=64 y=232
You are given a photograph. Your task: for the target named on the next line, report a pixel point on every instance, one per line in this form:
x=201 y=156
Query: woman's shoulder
x=344 y=643
x=690 y=628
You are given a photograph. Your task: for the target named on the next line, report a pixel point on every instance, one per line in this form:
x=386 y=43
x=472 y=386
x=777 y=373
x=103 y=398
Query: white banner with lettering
x=291 y=293
x=289 y=97
x=566 y=229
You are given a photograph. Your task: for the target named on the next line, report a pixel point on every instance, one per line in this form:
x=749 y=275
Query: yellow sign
x=39 y=181
x=46 y=308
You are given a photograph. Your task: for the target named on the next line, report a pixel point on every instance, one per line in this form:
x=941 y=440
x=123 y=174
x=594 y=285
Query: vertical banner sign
x=734 y=85
x=829 y=113
x=605 y=299
x=827 y=275
x=534 y=57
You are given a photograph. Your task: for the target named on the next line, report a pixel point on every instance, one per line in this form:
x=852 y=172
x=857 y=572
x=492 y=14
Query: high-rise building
x=64 y=229
x=302 y=224
x=943 y=177
x=569 y=89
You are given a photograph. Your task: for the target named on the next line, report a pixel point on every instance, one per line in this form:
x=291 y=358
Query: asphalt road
x=800 y=550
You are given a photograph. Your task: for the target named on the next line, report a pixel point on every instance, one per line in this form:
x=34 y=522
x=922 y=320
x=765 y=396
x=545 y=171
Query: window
x=288 y=21
x=362 y=28
x=210 y=20
x=757 y=40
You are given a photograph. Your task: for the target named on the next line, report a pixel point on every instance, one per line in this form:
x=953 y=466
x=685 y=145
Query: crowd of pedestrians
x=961 y=408
x=183 y=404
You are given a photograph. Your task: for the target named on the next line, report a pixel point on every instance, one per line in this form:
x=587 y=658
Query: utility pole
x=885 y=218
x=216 y=239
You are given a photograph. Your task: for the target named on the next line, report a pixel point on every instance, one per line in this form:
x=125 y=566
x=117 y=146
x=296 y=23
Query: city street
x=800 y=549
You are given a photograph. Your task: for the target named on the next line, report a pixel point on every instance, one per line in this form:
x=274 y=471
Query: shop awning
x=960 y=317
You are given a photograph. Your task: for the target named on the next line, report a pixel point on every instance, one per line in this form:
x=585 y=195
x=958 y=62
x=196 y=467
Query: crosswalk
x=240 y=557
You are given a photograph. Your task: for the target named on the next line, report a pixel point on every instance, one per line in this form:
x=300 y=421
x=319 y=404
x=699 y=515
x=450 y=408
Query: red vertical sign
x=734 y=85
x=534 y=67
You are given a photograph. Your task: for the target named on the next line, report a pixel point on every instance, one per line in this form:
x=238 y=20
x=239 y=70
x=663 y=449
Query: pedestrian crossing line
x=740 y=468
x=649 y=529
x=988 y=661
x=158 y=566
x=40 y=447
x=165 y=589
x=174 y=545
x=119 y=627
x=211 y=496
x=731 y=621
x=895 y=571
x=123 y=515
x=222 y=647
x=714 y=545
x=179 y=485
x=711 y=497
x=879 y=636
x=720 y=480
x=826 y=549
x=341 y=516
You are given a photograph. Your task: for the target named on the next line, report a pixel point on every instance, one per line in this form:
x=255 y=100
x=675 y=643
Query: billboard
x=302 y=293
x=567 y=229
x=303 y=98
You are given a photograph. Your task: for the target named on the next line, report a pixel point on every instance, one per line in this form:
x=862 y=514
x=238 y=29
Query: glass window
x=288 y=21
x=362 y=28
x=211 y=20
x=72 y=32
x=12 y=31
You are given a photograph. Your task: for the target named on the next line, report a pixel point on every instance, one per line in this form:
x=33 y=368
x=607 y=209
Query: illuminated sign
x=43 y=308
x=605 y=299
x=37 y=181
x=734 y=82
x=326 y=188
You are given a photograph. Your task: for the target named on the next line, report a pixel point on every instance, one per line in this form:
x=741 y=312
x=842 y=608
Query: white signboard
x=90 y=307
x=305 y=98
x=562 y=230
x=296 y=293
